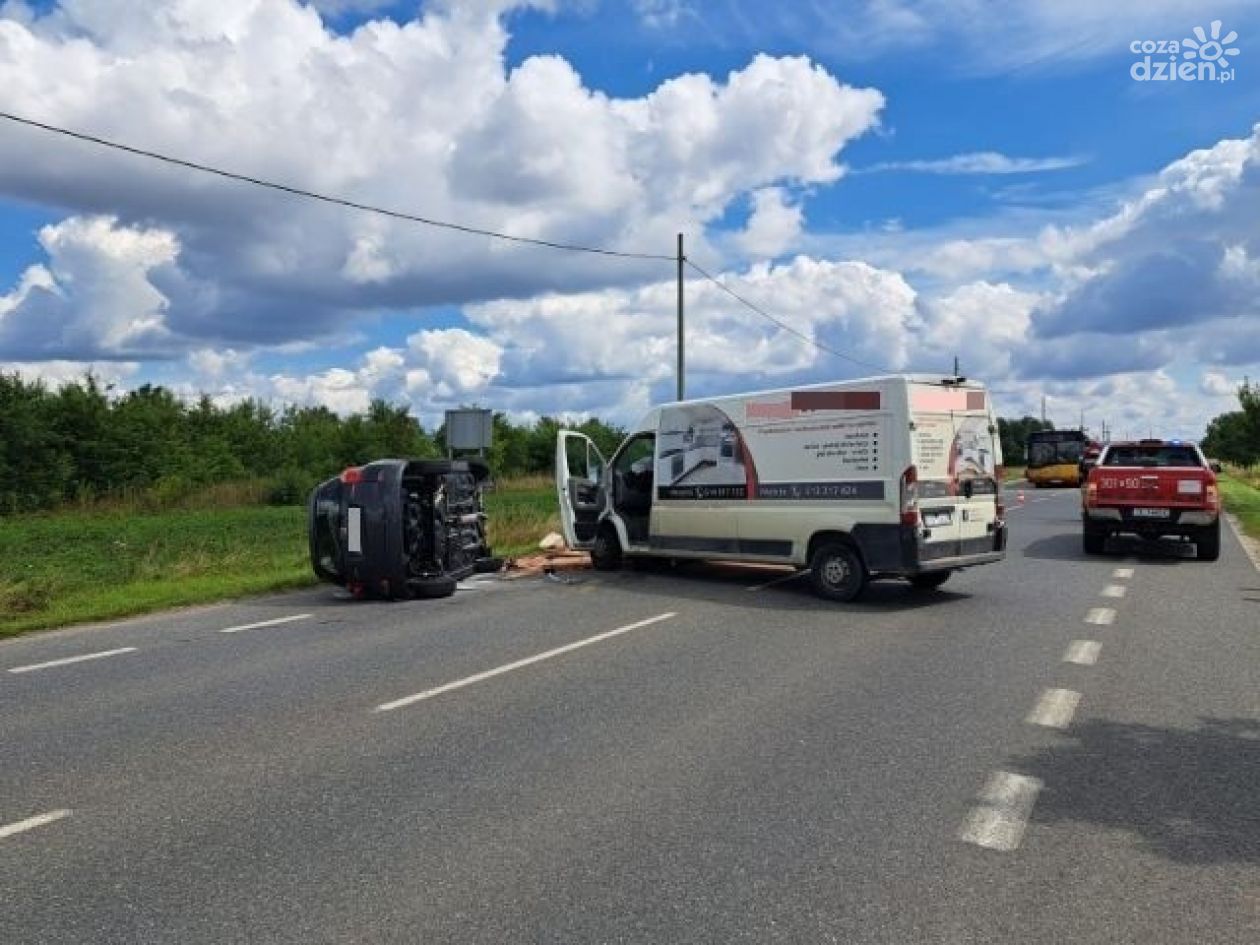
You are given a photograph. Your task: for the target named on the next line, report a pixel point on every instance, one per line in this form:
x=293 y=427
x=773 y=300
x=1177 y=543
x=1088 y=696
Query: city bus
x=1054 y=457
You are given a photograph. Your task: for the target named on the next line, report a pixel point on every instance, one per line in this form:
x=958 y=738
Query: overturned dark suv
x=399 y=528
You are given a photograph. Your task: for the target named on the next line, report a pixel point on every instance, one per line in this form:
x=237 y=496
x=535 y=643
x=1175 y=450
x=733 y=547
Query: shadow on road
x=1067 y=547
x=718 y=583
x=1190 y=796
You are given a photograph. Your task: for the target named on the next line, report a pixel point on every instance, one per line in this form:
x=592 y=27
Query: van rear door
x=580 y=487
x=956 y=454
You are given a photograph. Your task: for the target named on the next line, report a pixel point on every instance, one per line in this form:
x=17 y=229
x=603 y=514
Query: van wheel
x=606 y=552
x=837 y=572
x=929 y=581
x=1209 y=542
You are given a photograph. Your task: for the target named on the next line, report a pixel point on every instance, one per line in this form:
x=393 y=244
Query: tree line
x=80 y=444
x=1235 y=436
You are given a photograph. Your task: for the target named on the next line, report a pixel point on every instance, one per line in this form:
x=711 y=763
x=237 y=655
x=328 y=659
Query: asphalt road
x=722 y=759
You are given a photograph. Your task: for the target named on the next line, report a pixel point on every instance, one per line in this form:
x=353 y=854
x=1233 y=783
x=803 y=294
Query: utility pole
x=1043 y=408
x=681 y=359
x=956 y=366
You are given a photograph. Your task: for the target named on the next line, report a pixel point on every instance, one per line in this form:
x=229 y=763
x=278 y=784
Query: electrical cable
x=338 y=201
x=785 y=327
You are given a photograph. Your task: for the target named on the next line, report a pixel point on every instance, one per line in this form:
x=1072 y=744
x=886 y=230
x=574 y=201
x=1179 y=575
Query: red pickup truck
x=1152 y=488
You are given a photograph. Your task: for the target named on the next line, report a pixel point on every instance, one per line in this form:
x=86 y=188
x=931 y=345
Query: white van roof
x=942 y=379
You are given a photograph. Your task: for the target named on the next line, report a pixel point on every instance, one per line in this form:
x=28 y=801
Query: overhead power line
x=426 y=221
x=325 y=198
x=785 y=327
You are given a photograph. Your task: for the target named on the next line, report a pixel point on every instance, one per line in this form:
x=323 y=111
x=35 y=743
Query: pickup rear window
x=1153 y=456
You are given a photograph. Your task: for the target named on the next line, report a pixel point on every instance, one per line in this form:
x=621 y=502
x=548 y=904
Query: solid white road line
x=1083 y=652
x=32 y=822
x=507 y=668
x=1101 y=615
x=1122 y=573
x=998 y=821
x=1054 y=709
x=1114 y=590
x=73 y=659
x=1250 y=546
x=265 y=623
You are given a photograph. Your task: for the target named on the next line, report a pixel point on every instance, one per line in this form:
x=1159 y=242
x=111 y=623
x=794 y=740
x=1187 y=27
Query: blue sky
x=927 y=178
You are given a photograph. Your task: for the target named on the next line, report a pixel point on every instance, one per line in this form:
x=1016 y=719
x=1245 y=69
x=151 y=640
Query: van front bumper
x=899 y=550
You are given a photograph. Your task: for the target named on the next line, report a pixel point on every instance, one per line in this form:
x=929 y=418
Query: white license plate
x=1150 y=513
x=936 y=519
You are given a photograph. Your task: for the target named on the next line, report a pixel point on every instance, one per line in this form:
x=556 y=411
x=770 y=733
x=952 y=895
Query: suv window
x=1153 y=456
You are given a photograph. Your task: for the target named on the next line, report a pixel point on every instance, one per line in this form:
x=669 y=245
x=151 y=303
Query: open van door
x=580 y=488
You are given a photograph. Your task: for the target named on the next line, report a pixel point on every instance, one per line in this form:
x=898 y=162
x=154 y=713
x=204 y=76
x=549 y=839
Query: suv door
x=580 y=487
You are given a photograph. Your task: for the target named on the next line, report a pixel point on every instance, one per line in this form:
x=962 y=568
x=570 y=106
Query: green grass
x=96 y=564
x=1241 y=492
x=72 y=567
x=520 y=512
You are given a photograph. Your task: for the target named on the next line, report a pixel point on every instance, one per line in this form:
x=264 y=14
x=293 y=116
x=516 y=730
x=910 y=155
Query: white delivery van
x=894 y=476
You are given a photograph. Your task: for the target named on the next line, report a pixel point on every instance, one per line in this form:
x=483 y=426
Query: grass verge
x=82 y=565
x=1241 y=492
x=520 y=512
x=72 y=567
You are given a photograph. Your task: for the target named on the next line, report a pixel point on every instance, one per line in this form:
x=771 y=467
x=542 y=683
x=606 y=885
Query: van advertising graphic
x=815 y=453
x=951 y=450
x=701 y=455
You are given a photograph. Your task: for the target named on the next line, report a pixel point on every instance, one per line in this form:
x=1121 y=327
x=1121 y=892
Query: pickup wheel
x=1093 y=541
x=837 y=571
x=606 y=551
x=1209 y=542
x=929 y=581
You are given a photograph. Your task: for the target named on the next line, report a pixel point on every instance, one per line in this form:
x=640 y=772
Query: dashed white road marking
x=1114 y=590
x=1083 y=652
x=1054 y=709
x=32 y=667
x=1101 y=615
x=529 y=660
x=265 y=623
x=998 y=821
x=1122 y=573
x=31 y=823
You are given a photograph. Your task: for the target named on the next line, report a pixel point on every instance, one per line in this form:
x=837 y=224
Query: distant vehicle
x=400 y=528
x=1090 y=459
x=883 y=477
x=1054 y=457
x=1153 y=489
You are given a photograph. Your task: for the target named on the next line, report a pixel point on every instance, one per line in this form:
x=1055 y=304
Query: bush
x=290 y=487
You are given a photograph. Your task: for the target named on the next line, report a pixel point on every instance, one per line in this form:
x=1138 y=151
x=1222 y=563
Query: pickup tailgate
x=1163 y=488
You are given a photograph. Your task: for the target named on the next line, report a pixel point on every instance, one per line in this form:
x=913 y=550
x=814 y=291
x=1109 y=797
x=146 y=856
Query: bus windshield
x=1055 y=447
